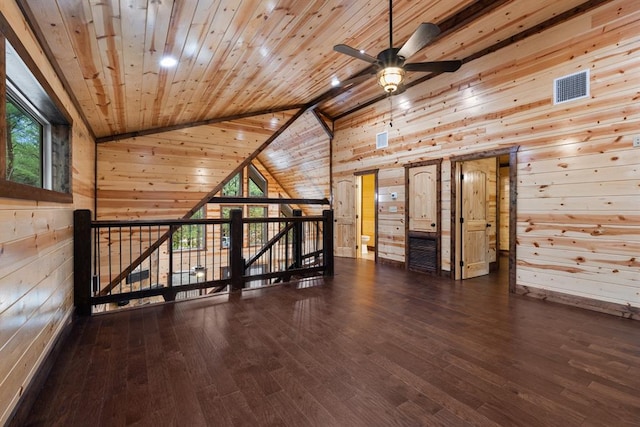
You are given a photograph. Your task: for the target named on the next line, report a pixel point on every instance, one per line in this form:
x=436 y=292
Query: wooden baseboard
x=32 y=390
x=391 y=262
x=625 y=311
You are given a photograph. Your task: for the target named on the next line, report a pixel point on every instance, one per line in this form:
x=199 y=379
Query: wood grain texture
x=576 y=169
x=165 y=175
x=236 y=57
x=36 y=250
x=375 y=345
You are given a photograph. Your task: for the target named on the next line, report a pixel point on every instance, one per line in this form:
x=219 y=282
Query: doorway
x=367 y=215
x=483 y=219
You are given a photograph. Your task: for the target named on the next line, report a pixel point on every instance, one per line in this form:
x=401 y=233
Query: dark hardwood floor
x=374 y=346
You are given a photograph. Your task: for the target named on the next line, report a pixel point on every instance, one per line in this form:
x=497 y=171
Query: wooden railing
x=139 y=262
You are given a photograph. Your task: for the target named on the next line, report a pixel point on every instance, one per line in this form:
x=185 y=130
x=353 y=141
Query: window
x=257 y=231
x=35 y=159
x=225 y=229
x=233 y=188
x=192 y=236
x=256 y=183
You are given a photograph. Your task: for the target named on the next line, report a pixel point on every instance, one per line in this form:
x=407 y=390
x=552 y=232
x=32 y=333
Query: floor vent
x=571 y=87
x=423 y=253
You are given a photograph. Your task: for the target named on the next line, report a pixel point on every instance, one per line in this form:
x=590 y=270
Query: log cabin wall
x=36 y=250
x=578 y=227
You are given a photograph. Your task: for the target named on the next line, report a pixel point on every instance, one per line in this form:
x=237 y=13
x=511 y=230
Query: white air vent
x=382 y=140
x=571 y=87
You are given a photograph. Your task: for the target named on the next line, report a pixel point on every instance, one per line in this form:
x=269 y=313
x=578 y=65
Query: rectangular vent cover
x=382 y=140
x=571 y=87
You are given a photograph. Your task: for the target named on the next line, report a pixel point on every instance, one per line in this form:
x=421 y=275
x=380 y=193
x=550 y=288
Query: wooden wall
x=578 y=190
x=299 y=159
x=36 y=252
x=165 y=175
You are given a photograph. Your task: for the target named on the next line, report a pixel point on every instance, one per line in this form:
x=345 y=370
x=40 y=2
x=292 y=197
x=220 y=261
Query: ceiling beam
x=211 y=121
x=323 y=124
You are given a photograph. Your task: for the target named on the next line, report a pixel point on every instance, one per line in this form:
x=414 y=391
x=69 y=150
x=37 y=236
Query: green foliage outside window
x=190 y=236
x=254 y=190
x=233 y=188
x=24 y=146
x=257 y=232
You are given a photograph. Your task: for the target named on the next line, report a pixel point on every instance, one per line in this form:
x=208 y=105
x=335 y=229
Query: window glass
x=256 y=183
x=36 y=156
x=258 y=231
x=190 y=236
x=233 y=188
x=24 y=146
x=225 y=229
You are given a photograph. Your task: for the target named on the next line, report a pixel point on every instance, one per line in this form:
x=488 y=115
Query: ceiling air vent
x=571 y=87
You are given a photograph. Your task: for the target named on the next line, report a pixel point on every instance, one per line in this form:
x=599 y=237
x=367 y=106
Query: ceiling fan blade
x=423 y=35
x=434 y=67
x=348 y=50
x=355 y=80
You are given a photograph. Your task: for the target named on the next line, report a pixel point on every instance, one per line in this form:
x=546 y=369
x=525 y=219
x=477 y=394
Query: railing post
x=327 y=241
x=237 y=239
x=82 y=261
x=169 y=293
x=297 y=240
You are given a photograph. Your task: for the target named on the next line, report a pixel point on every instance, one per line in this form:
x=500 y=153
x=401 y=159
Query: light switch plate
x=636 y=141
x=393 y=209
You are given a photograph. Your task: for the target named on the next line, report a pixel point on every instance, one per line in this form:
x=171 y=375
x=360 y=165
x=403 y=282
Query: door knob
x=488 y=225
x=433 y=224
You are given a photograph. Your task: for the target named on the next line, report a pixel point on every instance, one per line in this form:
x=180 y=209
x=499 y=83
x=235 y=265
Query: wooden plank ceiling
x=242 y=56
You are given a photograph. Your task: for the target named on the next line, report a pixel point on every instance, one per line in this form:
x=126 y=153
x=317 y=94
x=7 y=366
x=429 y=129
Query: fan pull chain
x=390 y=111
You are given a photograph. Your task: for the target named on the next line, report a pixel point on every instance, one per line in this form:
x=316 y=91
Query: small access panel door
x=423 y=209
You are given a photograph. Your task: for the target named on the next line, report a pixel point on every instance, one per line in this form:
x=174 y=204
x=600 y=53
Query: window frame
x=223 y=226
x=203 y=233
x=240 y=174
x=250 y=226
x=15 y=190
x=253 y=174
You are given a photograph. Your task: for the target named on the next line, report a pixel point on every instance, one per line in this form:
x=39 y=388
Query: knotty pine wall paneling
x=578 y=228
x=36 y=251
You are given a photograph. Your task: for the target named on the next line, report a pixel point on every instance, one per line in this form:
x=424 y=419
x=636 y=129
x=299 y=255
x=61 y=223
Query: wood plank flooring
x=374 y=346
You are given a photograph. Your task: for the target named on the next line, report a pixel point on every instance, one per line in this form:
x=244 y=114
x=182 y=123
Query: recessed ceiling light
x=168 y=61
x=335 y=82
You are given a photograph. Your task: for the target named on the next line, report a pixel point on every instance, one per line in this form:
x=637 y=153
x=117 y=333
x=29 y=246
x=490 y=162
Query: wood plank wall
x=36 y=252
x=165 y=175
x=578 y=188
x=299 y=159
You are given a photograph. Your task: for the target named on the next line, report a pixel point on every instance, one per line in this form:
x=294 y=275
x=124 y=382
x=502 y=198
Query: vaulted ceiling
x=238 y=58
x=243 y=56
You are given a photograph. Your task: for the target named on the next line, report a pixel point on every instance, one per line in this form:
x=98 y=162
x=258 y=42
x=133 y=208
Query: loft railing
x=140 y=262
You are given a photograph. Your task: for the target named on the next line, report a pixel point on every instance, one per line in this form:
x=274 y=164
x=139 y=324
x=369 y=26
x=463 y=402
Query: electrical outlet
x=636 y=141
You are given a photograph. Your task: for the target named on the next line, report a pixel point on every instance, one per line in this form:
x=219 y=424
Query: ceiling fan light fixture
x=389 y=78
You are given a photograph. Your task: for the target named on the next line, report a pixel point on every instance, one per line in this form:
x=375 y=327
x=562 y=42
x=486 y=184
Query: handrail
x=268 y=245
x=165 y=271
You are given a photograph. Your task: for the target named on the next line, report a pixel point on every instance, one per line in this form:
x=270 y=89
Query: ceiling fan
x=390 y=64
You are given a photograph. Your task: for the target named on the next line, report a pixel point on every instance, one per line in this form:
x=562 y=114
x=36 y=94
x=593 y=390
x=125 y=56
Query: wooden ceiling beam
x=322 y=123
x=199 y=123
x=454 y=23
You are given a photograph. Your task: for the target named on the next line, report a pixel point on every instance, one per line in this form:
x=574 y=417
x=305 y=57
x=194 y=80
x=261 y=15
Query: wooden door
x=474 y=217
x=345 y=218
x=423 y=197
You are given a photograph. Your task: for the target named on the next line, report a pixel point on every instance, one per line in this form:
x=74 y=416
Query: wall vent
x=571 y=87
x=382 y=140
